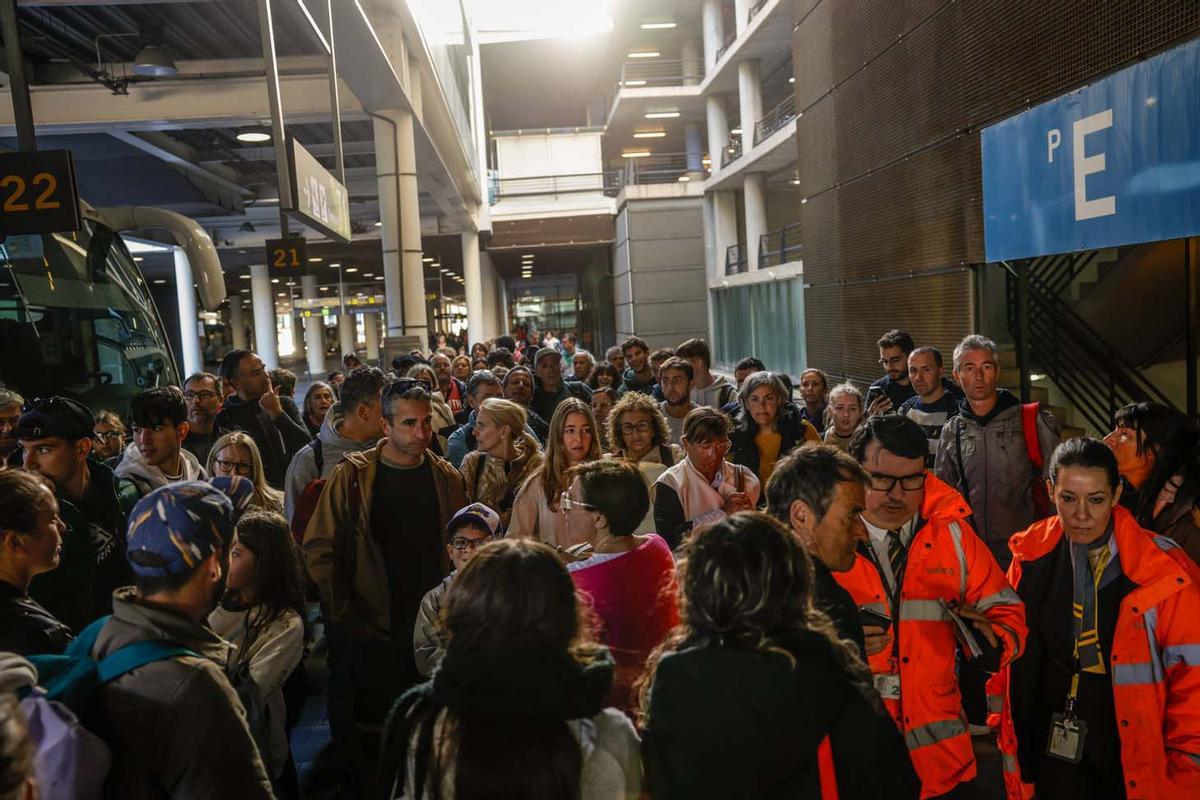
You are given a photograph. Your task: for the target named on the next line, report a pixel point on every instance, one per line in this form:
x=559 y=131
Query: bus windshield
x=76 y=320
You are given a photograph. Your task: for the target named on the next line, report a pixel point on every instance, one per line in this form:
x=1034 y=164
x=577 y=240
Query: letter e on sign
x=1088 y=165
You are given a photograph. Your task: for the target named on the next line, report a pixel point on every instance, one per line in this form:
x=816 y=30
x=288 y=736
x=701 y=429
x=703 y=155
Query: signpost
x=320 y=199
x=288 y=255
x=321 y=306
x=37 y=193
x=1114 y=163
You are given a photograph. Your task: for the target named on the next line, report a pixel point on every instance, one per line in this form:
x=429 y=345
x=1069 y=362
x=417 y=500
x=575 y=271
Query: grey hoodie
x=148 y=478
x=303 y=468
x=721 y=391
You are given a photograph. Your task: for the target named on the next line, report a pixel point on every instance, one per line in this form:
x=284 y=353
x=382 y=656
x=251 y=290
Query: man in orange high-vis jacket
x=1114 y=648
x=918 y=531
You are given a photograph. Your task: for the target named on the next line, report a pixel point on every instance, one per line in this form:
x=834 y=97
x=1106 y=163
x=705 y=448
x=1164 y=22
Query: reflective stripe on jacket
x=946 y=561
x=1155 y=661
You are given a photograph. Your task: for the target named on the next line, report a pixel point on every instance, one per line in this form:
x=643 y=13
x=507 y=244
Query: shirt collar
x=880 y=534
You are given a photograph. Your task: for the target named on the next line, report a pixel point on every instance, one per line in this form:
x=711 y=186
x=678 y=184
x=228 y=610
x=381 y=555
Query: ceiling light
x=662 y=114
x=350 y=269
x=274 y=280
x=635 y=154
x=378 y=224
x=684 y=178
x=154 y=62
x=645 y=54
x=253 y=136
x=736 y=131
x=138 y=259
x=633 y=83
x=792 y=79
x=243 y=290
x=368 y=274
x=803 y=200
x=649 y=134
x=315 y=259
x=428 y=259
x=657 y=26
x=324 y=288
x=244 y=277
x=160 y=280
x=336 y=264
x=281 y=294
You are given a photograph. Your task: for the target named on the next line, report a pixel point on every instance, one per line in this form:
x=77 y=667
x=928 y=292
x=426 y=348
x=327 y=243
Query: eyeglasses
x=402 y=385
x=462 y=543
x=204 y=395
x=717 y=448
x=909 y=483
x=112 y=436
x=566 y=503
x=240 y=467
x=641 y=427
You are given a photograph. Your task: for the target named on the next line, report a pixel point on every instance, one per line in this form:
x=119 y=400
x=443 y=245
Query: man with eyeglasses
x=890 y=391
x=202 y=392
x=470 y=528
x=10 y=414
x=55 y=435
x=926 y=570
x=389 y=506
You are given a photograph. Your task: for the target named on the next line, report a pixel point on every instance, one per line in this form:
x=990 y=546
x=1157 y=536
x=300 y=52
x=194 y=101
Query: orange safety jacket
x=946 y=561
x=1155 y=662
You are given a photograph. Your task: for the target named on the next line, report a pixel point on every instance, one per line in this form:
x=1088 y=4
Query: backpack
x=1041 y=498
x=307 y=503
x=71 y=761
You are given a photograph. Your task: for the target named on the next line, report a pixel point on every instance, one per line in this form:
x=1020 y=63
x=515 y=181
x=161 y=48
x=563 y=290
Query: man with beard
x=675 y=379
x=202 y=392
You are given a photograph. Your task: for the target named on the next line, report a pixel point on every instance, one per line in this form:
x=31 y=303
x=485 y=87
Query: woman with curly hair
x=604 y=375
x=517 y=705
x=638 y=433
x=572 y=440
x=753 y=694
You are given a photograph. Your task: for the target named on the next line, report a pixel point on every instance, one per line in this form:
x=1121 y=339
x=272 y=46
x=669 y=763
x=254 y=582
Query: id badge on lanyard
x=1067 y=732
x=888 y=685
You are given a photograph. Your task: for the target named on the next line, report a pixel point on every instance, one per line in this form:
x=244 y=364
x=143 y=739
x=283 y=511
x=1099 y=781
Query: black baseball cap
x=43 y=417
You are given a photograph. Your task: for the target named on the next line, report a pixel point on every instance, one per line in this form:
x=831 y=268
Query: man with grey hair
x=985 y=454
x=10 y=414
x=582 y=364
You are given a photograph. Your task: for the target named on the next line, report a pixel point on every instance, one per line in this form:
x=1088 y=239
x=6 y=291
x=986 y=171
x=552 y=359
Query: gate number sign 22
x=37 y=193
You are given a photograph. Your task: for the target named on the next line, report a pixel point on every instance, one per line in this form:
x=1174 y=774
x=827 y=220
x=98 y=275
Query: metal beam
x=180 y=155
x=164 y=105
x=360 y=147
x=22 y=110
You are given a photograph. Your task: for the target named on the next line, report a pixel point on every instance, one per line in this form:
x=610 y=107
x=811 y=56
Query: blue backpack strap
x=83 y=644
x=138 y=654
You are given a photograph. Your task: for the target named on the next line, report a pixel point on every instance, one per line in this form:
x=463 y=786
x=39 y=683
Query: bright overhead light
x=253 y=136
x=657 y=26
x=635 y=154
x=350 y=269
x=244 y=277
x=645 y=54
x=324 y=288
x=336 y=264
x=368 y=274
x=274 y=280
x=684 y=178
x=633 y=83
x=428 y=259
x=736 y=131
x=281 y=294
x=153 y=62
x=160 y=280
x=243 y=290
x=649 y=134
x=792 y=79
x=661 y=114
x=139 y=259
x=378 y=224
x=315 y=259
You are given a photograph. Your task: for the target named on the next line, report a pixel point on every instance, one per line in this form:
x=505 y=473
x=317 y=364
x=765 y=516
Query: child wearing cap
x=469 y=529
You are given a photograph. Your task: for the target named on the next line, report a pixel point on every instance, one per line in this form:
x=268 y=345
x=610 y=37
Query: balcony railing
x=660 y=168
x=779 y=246
x=735 y=259
x=754 y=9
x=607 y=183
x=732 y=150
x=776 y=118
x=660 y=72
x=729 y=40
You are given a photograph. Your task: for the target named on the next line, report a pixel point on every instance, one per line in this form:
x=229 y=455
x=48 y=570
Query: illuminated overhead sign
x=321 y=201
x=37 y=193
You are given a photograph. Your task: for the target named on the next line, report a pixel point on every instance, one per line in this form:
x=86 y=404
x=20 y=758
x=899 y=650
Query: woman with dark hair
x=767 y=424
x=1158 y=457
x=814 y=391
x=604 y=375
x=262 y=614
x=572 y=440
x=1103 y=701
x=627 y=578
x=317 y=401
x=753 y=695
x=479 y=350
x=516 y=707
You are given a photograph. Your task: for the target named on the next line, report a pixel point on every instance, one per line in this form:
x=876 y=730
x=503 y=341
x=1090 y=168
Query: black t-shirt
x=199 y=444
x=106 y=526
x=407 y=523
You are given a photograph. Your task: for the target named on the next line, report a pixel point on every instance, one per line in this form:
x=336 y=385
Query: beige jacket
x=341 y=554
x=490 y=483
x=533 y=517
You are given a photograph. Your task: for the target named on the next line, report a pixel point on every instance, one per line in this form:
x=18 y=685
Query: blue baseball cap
x=239 y=490
x=175 y=527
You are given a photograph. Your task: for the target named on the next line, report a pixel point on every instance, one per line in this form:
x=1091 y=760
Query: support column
x=298 y=348
x=741 y=14
x=718 y=129
x=694 y=146
x=237 y=322
x=314 y=329
x=749 y=100
x=346 y=333
x=754 y=198
x=396 y=171
x=185 y=291
x=689 y=55
x=371 y=333
x=473 y=281
x=713 y=28
x=266 y=342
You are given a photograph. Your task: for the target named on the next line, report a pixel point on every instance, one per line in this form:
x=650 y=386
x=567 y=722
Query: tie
x=1087 y=582
x=895 y=554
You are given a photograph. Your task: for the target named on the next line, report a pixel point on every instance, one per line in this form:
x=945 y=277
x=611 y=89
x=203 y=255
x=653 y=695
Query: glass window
x=761 y=319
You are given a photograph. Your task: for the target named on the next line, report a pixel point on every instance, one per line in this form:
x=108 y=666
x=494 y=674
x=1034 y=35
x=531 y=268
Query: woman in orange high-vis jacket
x=1124 y=631
x=946 y=562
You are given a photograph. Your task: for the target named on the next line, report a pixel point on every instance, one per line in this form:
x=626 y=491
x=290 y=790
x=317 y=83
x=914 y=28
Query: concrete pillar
x=749 y=100
x=314 y=329
x=399 y=209
x=266 y=342
x=414 y=85
x=237 y=322
x=185 y=291
x=754 y=198
x=741 y=14
x=371 y=334
x=689 y=54
x=694 y=146
x=474 y=287
x=718 y=129
x=713 y=29
x=726 y=227
x=346 y=333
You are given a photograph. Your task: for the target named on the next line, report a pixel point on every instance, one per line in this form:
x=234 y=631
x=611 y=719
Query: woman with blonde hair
x=638 y=433
x=505 y=455
x=235 y=453
x=443 y=416
x=572 y=440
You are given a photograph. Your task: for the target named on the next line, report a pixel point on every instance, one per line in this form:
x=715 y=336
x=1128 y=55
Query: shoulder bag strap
x=318 y=452
x=1029 y=420
x=138 y=654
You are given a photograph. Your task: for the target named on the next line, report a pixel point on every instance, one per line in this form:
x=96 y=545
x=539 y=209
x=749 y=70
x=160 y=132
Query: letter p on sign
x=1087 y=165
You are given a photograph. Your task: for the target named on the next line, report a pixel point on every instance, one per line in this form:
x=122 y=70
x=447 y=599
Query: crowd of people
x=533 y=573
